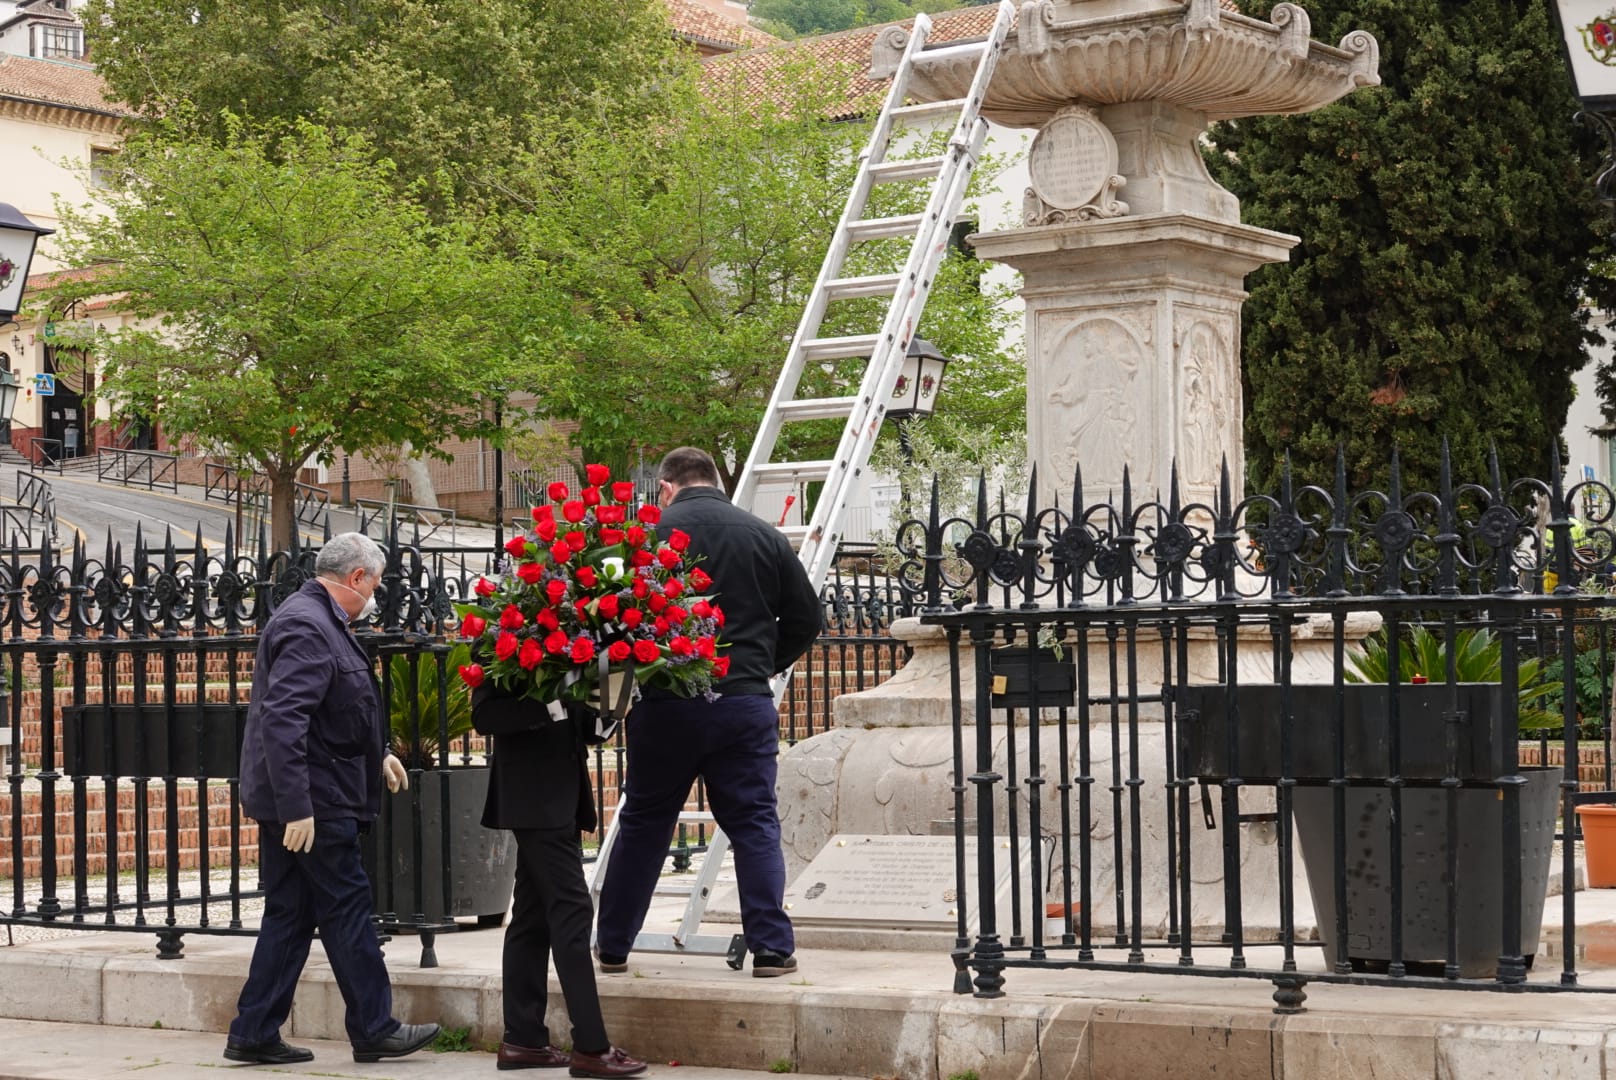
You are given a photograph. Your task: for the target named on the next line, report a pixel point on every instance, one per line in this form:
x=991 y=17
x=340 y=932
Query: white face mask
x=369 y=607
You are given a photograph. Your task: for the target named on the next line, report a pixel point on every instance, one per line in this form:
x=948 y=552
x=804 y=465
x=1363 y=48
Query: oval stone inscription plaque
x=1071 y=159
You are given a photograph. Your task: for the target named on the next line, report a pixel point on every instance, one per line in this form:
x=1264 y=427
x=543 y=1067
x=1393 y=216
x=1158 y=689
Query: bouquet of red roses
x=591 y=591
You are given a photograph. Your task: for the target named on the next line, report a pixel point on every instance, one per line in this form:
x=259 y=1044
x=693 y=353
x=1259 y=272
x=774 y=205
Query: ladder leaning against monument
x=906 y=290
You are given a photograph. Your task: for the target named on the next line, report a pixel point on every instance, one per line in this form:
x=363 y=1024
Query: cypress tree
x=1448 y=227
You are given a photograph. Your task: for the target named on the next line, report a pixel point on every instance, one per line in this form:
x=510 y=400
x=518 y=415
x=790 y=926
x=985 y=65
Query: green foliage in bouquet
x=592 y=580
x=456 y=697
x=1477 y=658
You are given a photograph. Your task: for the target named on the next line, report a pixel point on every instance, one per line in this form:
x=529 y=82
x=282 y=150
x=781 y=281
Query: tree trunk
x=282 y=507
x=422 y=491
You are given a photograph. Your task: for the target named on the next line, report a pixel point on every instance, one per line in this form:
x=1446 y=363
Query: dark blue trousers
x=733 y=745
x=325 y=888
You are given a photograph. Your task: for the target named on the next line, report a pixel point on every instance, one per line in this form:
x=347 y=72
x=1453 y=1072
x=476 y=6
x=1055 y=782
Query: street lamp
x=915 y=395
x=18 y=236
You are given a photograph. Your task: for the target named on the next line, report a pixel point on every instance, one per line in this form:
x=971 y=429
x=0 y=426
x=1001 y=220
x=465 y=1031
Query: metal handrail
x=34 y=495
x=310 y=502
x=45 y=453
x=389 y=514
x=127 y=466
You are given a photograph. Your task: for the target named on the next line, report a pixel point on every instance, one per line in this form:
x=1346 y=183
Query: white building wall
x=1588 y=453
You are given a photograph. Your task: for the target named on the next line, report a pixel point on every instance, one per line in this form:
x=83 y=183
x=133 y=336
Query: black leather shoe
x=610 y=964
x=269 y=1053
x=406 y=1040
x=513 y=1056
x=768 y=964
x=610 y=1064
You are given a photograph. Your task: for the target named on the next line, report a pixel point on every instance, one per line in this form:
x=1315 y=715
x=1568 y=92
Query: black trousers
x=551 y=915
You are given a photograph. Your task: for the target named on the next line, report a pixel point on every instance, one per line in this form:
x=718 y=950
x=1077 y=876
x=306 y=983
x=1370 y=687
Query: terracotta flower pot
x=1599 y=844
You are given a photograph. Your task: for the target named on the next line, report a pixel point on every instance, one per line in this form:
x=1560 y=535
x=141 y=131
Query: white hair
x=347 y=552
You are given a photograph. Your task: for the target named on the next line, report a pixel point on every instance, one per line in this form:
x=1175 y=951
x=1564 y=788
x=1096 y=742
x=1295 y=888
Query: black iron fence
x=1276 y=738
x=126 y=680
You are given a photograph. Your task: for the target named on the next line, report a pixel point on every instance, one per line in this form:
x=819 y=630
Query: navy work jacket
x=314 y=740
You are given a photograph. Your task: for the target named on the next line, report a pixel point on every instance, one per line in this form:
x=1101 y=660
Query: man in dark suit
x=772 y=616
x=539 y=789
x=313 y=757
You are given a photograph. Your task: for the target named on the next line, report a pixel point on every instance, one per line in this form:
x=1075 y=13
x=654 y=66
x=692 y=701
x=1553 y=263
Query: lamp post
x=915 y=397
x=18 y=238
x=1588 y=34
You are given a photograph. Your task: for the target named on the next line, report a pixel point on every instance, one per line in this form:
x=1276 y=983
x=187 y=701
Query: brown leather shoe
x=606 y=1065
x=512 y=1056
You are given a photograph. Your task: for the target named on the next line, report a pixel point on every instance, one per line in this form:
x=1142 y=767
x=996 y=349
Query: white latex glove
x=300 y=835
x=393 y=771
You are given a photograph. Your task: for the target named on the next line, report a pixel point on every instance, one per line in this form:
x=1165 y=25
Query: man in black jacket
x=772 y=616
x=313 y=758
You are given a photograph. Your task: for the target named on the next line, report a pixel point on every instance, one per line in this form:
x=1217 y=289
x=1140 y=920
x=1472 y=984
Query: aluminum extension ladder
x=906 y=290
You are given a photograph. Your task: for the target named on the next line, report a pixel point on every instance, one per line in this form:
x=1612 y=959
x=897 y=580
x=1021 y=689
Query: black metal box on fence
x=1205 y=716
x=153 y=739
x=1013 y=669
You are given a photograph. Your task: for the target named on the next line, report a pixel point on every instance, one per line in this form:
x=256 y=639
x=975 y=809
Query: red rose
x=484 y=587
x=560 y=552
x=530 y=655
x=610 y=515
x=608 y=606
x=660 y=628
x=473 y=626
x=583 y=650
x=649 y=514
x=530 y=572
x=641 y=588
x=557 y=491
x=573 y=510
x=608 y=537
x=673 y=588
x=511 y=618
x=471 y=675
x=634 y=535
x=675 y=614
x=646 y=651
x=656 y=602
x=706 y=648
x=720 y=666
x=580 y=608
x=590 y=496
x=556 y=642
x=554 y=591
x=681 y=645
x=517 y=546
x=618 y=652
x=585 y=576
x=632 y=617
x=505 y=645
x=718 y=613
x=543 y=513
x=546 y=531
x=623 y=491
x=678 y=540
x=547 y=618
x=597 y=474
x=577 y=539
x=668 y=557
x=702 y=609
x=699 y=579
x=641 y=558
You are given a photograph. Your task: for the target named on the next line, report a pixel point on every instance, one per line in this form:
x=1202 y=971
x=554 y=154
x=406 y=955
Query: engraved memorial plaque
x=1071 y=159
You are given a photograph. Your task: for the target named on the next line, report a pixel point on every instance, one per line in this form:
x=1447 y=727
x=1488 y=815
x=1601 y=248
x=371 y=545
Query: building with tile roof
x=45 y=29
x=712 y=31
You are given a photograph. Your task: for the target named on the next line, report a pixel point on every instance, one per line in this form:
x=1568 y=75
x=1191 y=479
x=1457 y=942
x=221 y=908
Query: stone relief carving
x=1206 y=401
x=1097 y=385
x=1073 y=166
x=1365 y=50
x=1295 y=29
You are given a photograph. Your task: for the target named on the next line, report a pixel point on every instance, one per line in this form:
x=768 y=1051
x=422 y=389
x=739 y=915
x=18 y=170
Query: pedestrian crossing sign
x=45 y=384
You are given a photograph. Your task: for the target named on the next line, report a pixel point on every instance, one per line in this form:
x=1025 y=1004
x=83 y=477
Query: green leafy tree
x=287 y=302
x=447 y=92
x=1447 y=224
x=687 y=252
x=799 y=18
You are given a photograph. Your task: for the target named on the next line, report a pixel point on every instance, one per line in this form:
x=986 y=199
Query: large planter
x=482 y=867
x=1206 y=714
x=1598 y=823
x=1425 y=865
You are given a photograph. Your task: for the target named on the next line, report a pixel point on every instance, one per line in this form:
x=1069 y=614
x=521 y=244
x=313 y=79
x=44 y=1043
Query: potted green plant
x=482 y=861
x=1446 y=730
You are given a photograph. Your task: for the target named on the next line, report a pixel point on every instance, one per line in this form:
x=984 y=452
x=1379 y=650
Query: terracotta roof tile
x=707 y=27
x=55 y=82
x=849 y=51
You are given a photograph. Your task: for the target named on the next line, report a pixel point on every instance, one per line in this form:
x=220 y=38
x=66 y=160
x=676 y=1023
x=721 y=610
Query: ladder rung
x=881 y=228
x=929 y=108
x=890 y=172
x=952 y=52
x=827 y=408
x=831 y=348
x=809 y=471
x=854 y=287
x=695 y=817
x=796 y=534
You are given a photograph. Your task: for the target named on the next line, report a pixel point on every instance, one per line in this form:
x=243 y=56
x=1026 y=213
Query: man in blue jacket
x=772 y=616
x=313 y=757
